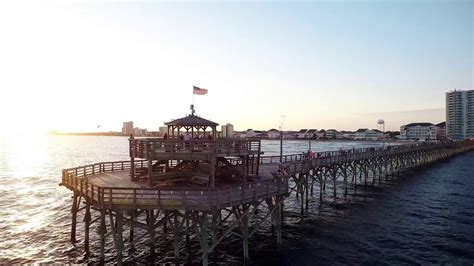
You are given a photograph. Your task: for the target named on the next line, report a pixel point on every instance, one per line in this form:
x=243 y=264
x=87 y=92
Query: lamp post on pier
x=281 y=139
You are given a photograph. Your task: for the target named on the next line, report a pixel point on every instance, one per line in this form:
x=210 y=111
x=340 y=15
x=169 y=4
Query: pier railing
x=97 y=168
x=326 y=158
x=167 y=198
x=297 y=157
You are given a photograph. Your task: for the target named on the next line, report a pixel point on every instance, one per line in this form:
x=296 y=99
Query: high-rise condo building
x=460 y=114
x=127 y=128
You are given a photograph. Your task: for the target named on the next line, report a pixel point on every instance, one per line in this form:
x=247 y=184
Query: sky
x=74 y=66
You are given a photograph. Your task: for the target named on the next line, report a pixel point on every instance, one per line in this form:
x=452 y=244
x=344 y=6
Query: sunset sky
x=345 y=64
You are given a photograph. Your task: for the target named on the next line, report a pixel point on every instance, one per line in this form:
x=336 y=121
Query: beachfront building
x=347 y=135
x=368 y=134
x=227 y=131
x=441 y=131
x=331 y=134
x=391 y=135
x=460 y=114
x=321 y=134
x=140 y=132
x=238 y=134
x=162 y=131
x=311 y=133
x=360 y=134
x=256 y=134
x=301 y=134
x=273 y=134
x=127 y=128
x=290 y=134
x=374 y=134
x=419 y=132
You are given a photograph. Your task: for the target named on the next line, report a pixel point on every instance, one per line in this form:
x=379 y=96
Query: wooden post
x=119 y=220
x=251 y=164
x=245 y=234
x=214 y=234
x=74 y=216
x=165 y=222
x=151 y=230
x=258 y=159
x=212 y=181
x=282 y=210
x=132 y=221
x=324 y=183
x=203 y=240
x=302 y=193
x=298 y=186
x=345 y=182
x=355 y=176
x=150 y=172
x=187 y=231
x=244 y=169
x=307 y=191
x=87 y=220
x=381 y=167
x=132 y=158
x=374 y=175
x=279 y=220
x=102 y=232
x=366 y=174
x=320 y=177
x=176 y=238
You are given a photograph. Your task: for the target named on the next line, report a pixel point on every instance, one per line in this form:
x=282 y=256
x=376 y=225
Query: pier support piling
x=87 y=220
x=102 y=232
x=245 y=234
x=203 y=240
x=74 y=208
x=119 y=243
x=151 y=230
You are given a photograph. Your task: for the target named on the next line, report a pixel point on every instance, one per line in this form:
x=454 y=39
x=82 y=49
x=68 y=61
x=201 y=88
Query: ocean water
x=425 y=217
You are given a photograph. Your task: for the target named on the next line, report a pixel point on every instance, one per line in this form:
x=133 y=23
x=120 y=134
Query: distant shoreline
x=117 y=134
x=342 y=140
x=104 y=134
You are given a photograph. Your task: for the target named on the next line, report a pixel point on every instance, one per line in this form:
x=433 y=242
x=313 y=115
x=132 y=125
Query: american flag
x=199 y=91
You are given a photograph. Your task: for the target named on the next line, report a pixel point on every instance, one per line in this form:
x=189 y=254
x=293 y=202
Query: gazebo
x=193 y=161
x=192 y=123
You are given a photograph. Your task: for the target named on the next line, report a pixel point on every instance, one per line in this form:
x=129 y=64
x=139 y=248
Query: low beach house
x=273 y=134
x=419 y=132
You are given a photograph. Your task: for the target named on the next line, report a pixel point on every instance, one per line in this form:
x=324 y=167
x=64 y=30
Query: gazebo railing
x=144 y=147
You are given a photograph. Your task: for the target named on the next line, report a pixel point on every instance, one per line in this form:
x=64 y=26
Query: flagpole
x=192 y=106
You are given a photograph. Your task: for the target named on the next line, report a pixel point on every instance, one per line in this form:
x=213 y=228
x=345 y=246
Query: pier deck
x=116 y=190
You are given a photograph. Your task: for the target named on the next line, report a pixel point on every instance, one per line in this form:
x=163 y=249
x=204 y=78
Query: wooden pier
x=209 y=189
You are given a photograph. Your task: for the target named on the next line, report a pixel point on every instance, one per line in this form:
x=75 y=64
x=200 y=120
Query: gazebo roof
x=191 y=120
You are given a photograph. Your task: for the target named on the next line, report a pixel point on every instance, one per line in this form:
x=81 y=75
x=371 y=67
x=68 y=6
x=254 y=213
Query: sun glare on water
x=22 y=161
x=26 y=154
